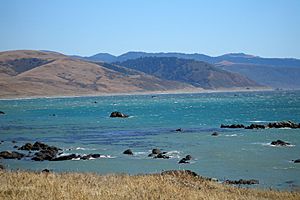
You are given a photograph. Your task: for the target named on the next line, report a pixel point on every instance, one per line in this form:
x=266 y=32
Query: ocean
x=82 y=125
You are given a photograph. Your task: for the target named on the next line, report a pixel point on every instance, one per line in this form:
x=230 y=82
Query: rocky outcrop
x=128 y=152
x=26 y=147
x=162 y=155
x=242 y=182
x=2 y=113
x=66 y=157
x=118 y=114
x=255 y=126
x=11 y=155
x=179 y=130
x=233 y=126
x=282 y=124
x=185 y=160
x=279 y=143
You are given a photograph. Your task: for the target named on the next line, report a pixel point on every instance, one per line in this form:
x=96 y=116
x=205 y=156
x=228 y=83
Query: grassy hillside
x=79 y=186
x=36 y=73
x=199 y=74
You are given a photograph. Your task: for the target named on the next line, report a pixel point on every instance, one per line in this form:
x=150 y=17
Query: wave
x=270 y=145
x=173 y=154
x=232 y=135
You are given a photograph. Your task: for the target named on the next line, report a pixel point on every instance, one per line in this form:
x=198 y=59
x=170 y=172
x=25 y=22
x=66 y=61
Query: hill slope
x=199 y=74
x=37 y=73
x=273 y=72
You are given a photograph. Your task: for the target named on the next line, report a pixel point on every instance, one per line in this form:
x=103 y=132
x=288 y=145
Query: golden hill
x=26 y=73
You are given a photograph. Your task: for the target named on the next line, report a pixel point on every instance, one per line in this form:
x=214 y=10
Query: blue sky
x=268 y=28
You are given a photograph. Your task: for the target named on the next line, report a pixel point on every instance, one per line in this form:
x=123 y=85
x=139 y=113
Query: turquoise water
x=82 y=126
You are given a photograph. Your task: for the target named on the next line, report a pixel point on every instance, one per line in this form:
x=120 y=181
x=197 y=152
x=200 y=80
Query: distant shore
x=169 y=185
x=183 y=91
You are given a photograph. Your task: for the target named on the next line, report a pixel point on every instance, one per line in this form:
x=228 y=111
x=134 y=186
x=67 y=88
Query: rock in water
x=297 y=161
x=156 y=151
x=215 y=134
x=279 y=143
x=118 y=114
x=11 y=155
x=2 y=113
x=185 y=160
x=27 y=147
x=128 y=152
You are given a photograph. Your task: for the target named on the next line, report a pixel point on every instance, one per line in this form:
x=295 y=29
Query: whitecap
x=173 y=154
x=84 y=149
x=232 y=135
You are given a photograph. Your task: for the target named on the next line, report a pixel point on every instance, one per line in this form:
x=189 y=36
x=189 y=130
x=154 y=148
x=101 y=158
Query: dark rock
x=160 y=155
x=11 y=155
x=178 y=130
x=128 y=152
x=284 y=124
x=151 y=155
x=279 y=143
x=13 y=141
x=156 y=151
x=2 y=141
x=118 y=114
x=67 y=157
x=215 y=134
x=242 y=182
x=255 y=126
x=188 y=157
x=297 y=161
x=233 y=126
x=27 y=147
x=45 y=170
x=37 y=146
x=15 y=146
x=2 y=113
x=95 y=102
x=89 y=156
x=185 y=160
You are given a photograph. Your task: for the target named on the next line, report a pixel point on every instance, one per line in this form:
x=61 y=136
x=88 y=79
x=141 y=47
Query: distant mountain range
x=272 y=72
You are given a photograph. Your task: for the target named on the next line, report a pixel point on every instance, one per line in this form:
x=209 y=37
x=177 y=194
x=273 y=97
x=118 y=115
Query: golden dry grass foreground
x=75 y=186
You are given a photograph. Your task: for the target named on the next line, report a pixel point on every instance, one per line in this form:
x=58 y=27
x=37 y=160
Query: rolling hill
x=272 y=72
x=196 y=73
x=39 y=73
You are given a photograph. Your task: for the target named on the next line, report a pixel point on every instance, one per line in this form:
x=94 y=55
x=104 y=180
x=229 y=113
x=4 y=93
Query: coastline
x=183 y=91
x=166 y=185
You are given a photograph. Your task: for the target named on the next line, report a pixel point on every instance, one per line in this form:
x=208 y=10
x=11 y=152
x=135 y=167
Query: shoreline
x=193 y=91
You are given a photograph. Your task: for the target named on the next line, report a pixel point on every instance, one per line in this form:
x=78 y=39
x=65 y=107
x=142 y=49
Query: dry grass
x=30 y=185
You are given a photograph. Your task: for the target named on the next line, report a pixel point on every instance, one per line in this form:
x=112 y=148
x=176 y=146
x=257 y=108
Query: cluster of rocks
x=156 y=153
x=44 y=152
x=118 y=114
x=242 y=182
x=282 y=124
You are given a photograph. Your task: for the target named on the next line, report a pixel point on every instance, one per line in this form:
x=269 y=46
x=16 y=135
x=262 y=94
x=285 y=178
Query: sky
x=267 y=28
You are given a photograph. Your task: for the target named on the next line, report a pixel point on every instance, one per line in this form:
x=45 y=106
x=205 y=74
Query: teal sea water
x=82 y=126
